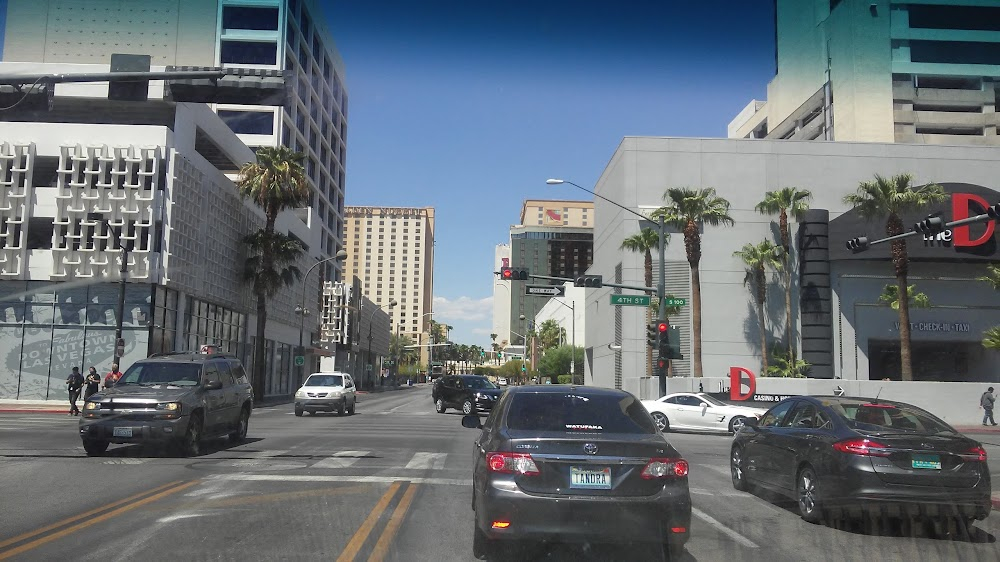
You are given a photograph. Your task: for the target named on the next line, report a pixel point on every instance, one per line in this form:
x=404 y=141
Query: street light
x=392 y=303
x=572 y=307
x=302 y=311
x=660 y=288
x=122 y=279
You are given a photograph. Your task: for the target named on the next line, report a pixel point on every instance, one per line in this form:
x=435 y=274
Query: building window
x=248 y=122
x=249 y=52
x=244 y=17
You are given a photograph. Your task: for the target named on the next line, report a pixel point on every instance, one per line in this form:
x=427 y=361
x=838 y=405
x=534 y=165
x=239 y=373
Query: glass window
x=802 y=417
x=248 y=122
x=243 y=17
x=872 y=416
x=570 y=412
x=249 y=52
x=774 y=416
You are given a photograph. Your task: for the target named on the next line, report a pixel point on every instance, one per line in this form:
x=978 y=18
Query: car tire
x=737 y=471
x=673 y=550
x=190 y=445
x=662 y=423
x=468 y=407
x=737 y=424
x=243 y=424
x=95 y=448
x=342 y=407
x=352 y=407
x=439 y=406
x=807 y=492
x=298 y=411
x=480 y=544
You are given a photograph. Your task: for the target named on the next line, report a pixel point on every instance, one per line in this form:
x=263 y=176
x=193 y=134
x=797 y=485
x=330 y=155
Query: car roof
x=852 y=399
x=561 y=388
x=190 y=356
x=330 y=373
x=468 y=376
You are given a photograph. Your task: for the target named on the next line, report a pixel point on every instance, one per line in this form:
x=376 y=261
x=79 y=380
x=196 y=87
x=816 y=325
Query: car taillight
x=864 y=447
x=664 y=468
x=512 y=463
x=974 y=454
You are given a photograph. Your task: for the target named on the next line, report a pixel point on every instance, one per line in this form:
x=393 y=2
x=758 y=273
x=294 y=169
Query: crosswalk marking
x=343 y=459
x=383 y=479
x=126 y=460
x=427 y=460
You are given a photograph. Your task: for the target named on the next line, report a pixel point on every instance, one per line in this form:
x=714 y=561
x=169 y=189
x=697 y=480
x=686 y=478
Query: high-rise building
x=881 y=71
x=391 y=251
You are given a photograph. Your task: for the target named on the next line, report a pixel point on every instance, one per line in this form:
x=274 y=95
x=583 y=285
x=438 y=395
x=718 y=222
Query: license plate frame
x=121 y=432
x=925 y=462
x=590 y=478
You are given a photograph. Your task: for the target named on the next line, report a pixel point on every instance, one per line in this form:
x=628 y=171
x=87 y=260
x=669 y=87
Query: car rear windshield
x=325 y=380
x=572 y=412
x=879 y=417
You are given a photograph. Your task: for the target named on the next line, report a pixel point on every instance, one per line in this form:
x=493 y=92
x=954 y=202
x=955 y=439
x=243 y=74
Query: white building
x=501 y=298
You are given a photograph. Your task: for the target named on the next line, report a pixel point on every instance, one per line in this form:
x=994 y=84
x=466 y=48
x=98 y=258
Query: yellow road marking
x=49 y=538
x=75 y=518
x=395 y=520
x=358 y=540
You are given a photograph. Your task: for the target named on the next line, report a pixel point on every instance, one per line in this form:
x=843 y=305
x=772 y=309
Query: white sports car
x=698 y=412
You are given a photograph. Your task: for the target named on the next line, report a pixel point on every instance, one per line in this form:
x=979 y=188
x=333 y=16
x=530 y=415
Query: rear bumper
x=142 y=431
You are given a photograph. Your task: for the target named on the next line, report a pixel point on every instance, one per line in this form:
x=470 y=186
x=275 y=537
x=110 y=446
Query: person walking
x=986 y=403
x=93 y=381
x=74 y=382
x=111 y=378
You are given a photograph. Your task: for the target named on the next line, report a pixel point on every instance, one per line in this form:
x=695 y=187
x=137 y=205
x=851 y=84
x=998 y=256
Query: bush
x=565 y=379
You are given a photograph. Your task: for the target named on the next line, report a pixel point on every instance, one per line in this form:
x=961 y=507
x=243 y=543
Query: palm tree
x=890 y=296
x=992 y=277
x=275 y=182
x=887 y=198
x=687 y=210
x=645 y=241
x=785 y=201
x=268 y=268
x=758 y=258
x=991 y=338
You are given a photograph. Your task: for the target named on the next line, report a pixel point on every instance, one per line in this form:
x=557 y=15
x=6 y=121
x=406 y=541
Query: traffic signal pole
x=661 y=371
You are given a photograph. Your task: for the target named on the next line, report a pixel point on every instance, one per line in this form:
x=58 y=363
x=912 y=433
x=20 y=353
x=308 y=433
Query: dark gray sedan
x=575 y=464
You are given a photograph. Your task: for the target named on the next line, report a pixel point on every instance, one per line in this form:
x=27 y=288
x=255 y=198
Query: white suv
x=326 y=392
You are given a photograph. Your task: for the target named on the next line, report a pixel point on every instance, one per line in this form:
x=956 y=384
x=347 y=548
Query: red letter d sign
x=736 y=383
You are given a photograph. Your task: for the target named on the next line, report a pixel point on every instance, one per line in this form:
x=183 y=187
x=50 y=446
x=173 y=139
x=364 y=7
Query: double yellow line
x=381 y=548
x=70 y=525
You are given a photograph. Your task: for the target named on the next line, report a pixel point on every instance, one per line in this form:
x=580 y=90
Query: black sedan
x=575 y=464
x=841 y=457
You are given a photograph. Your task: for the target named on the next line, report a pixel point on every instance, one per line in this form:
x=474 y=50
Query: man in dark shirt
x=93 y=383
x=74 y=382
x=986 y=402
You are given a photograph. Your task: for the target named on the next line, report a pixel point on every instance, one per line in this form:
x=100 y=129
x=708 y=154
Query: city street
x=389 y=483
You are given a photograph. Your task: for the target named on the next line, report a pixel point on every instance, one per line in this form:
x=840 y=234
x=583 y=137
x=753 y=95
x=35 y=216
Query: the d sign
x=961 y=235
x=736 y=383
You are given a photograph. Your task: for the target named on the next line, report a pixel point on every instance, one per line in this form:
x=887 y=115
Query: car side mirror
x=752 y=422
x=471 y=421
x=213 y=385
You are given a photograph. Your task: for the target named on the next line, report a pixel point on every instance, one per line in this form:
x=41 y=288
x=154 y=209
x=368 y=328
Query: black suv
x=469 y=393
x=177 y=399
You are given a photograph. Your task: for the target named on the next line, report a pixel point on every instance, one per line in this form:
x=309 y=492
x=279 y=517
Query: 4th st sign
x=545 y=290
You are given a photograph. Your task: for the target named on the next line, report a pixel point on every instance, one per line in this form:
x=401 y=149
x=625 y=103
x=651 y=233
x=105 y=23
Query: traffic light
x=513 y=274
x=930 y=225
x=523 y=368
x=589 y=281
x=857 y=245
x=670 y=345
x=652 y=336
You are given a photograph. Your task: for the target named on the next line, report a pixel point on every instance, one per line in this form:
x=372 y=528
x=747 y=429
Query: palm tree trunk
x=259 y=347
x=696 y=318
x=905 y=362
x=648 y=269
x=763 y=336
x=789 y=326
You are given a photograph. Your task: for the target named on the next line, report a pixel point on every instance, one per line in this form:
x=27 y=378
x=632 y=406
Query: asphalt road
x=389 y=483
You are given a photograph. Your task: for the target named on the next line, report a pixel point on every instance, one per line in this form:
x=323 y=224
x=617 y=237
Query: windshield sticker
x=583 y=427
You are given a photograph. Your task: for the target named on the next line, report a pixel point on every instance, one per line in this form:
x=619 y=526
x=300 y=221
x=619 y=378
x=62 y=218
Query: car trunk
x=927 y=460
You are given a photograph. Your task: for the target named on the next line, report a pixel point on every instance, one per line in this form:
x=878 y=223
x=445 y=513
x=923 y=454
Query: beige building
x=391 y=250
x=548 y=212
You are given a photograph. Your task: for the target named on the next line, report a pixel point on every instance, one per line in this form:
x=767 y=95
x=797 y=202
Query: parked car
x=178 y=399
x=502 y=381
x=573 y=463
x=843 y=457
x=699 y=412
x=326 y=392
x=468 y=393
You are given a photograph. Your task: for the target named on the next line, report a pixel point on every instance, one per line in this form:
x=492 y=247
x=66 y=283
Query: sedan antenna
x=877 y=394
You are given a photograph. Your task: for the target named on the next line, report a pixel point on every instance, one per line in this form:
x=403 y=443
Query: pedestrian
x=111 y=378
x=93 y=383
x=986 y=403
x=74 y=382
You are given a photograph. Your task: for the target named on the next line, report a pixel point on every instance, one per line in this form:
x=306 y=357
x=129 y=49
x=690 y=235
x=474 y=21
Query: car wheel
x=352 y=407
x=662 y=423
x=736 y=468
x=341 y=408
x=298 y=411
x=673 y=550
x=95 y=448
x=439 y=406
x=736 y=424
x=240 y=433
x=468 y=407
x=480 y=544
x=191 y=444
x=807 y=493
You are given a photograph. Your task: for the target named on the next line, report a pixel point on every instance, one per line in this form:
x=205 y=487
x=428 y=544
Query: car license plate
x=590 y=478
x=122 y=432
x=932 y=462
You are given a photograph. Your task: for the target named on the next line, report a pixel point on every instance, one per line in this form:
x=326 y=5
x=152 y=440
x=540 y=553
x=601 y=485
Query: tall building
x=881 y=71
x=501 y=298
x=555 y=238
x=391 y=251
x=86 y=175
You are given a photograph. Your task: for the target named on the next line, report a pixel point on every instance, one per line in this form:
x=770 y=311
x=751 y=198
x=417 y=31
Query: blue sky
x=468 y=106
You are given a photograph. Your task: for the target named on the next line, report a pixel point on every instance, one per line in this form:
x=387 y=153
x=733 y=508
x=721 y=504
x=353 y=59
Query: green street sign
x=677 y=302
x=300 y=360
x=633 y=300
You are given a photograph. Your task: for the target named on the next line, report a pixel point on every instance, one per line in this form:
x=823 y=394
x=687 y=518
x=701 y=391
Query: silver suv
x=326 y=392
x=176 y=399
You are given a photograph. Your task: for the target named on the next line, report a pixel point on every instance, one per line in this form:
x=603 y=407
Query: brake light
x=864 y=447
x=664 y=468
x=512 y=463
x=974 y=454
x=501 y=524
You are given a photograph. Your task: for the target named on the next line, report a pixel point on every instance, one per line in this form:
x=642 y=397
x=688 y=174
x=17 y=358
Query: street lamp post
x=572 y=308
x=370 y=365
x=302 y=311
x=122 y=280
x=660 y=287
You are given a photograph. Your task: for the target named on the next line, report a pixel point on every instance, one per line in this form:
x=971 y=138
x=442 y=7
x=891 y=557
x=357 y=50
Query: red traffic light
x=662 y=327
x=506 y=273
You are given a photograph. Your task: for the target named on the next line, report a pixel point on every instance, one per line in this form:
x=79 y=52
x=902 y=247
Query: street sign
x=547 y=290
x=677 y=302
x=120 y=348
x=300 y=360
x=633 y=300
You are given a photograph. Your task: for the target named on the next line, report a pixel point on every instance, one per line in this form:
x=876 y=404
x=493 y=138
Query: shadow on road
x=560 y=552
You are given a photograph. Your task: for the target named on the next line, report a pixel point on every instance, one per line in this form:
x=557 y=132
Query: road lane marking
x=723 y=529
x=100 y=518
x=358 y=540
x=338 y=478
x=392 y=527
x=427 y=460
x=343 y=459
x=47 y=528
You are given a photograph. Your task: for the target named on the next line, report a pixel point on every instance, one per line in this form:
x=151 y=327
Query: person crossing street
x=74 y=382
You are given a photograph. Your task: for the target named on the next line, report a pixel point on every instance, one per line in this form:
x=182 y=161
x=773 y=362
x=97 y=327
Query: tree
x=559 y=361
x=267 y=269
x=550 y=335
x=890 y=296
x=785 y=201
x=645 y=241
x=991 y=337
x=758 y=258
x=398 y=348
x=785 y=365
x=888 y=198
x=687 y=210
